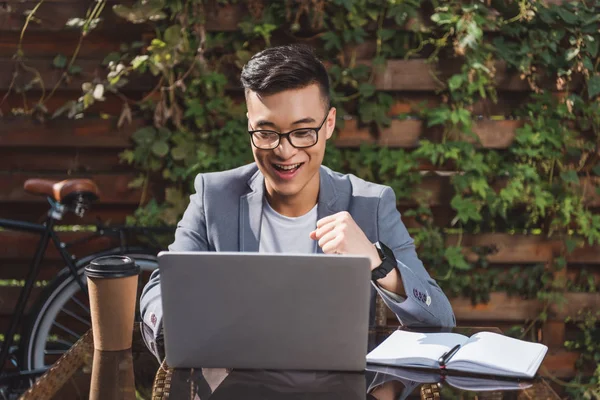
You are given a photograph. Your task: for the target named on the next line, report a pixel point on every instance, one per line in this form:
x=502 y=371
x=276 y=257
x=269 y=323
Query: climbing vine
x=541 y=184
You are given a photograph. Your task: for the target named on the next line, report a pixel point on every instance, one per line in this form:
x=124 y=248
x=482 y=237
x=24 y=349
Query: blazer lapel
x=251 y=214
x=328 y=204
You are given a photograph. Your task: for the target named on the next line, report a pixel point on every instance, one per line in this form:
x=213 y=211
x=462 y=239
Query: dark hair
x=276 y=69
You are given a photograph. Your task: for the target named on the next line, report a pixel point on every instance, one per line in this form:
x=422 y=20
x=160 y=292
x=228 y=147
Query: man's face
x=289 y=171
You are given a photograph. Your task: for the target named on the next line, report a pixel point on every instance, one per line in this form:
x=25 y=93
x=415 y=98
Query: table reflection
x=112 y=376
x=219 y=384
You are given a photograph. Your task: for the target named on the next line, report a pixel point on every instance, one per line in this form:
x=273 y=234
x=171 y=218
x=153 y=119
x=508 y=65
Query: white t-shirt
x=281 y=234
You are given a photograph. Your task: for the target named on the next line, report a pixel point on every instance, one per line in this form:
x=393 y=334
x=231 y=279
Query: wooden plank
x=418 y=75
x=20 y=103
x=408 y=102
x=591 y=195
x=501 y=307
x=52 y=17
x=510 y=248
x=18 y=269
x=492 y=134
x=553 y=334
x=21 y=246
x=437 y=190
x=88 y=132
x=575 y=303
x=41 y=44
x=9 y=295
x=113 y=187
x=399 y=75
x=37 y=212
x=50 y=75
x=559 y=363
x=62 y=160
x=526 y=249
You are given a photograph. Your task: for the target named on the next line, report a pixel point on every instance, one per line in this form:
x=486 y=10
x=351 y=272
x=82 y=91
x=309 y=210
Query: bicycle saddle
x=65 y=192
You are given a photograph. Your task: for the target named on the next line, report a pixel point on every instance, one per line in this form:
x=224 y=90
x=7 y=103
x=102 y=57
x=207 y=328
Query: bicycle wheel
x=61 y=314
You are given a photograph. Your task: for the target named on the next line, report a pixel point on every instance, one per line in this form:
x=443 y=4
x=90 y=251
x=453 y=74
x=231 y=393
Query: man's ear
x=330 y=124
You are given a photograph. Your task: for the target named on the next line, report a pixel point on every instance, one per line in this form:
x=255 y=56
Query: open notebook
x=482 y=353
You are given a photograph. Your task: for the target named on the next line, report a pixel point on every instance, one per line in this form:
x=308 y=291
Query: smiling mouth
x=287 y=168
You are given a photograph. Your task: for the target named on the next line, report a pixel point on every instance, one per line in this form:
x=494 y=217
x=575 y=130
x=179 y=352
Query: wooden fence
x=89 y=147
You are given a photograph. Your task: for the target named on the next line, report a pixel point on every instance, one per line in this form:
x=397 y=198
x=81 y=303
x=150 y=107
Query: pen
x=446 y=356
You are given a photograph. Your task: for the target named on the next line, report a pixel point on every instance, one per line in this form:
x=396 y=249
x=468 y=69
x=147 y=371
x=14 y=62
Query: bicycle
x=61 y=314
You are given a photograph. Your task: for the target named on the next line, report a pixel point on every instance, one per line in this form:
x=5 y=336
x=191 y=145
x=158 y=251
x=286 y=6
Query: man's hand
x=339 y=234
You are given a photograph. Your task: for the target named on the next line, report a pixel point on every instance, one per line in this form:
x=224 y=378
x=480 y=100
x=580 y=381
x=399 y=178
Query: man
x=288 y=202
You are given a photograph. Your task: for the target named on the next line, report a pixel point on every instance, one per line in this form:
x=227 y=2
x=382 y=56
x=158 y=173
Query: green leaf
x=570 y=177
x=111 y=57
x=387 y=34
x=160 y=148
x=139 y=61
x=68 y=106
x=566 y=15
x=455 y=82
x=137 y=183
x=456 y=258
x=59 y=61
x=560 y=262
x=572 y=53
x=144 y=135
x=178 y=153
x=596 y=169
x=593 y=86
x=592 y=47
x=127 y=156
x=442 y=18
x=587 y=63
x=332 y=41
x=75 y=70
x=173 y=35
x=466 y=209
x=366 y=89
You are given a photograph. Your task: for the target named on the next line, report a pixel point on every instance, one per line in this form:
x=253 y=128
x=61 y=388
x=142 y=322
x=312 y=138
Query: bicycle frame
x=47 y=234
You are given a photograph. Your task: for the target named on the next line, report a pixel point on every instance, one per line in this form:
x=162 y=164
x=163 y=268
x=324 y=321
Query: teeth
x=287 y=167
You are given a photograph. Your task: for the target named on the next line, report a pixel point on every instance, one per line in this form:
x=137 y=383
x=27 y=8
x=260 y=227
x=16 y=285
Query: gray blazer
x=225 y=215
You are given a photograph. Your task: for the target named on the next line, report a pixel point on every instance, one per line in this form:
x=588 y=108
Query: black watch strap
x=388 y=262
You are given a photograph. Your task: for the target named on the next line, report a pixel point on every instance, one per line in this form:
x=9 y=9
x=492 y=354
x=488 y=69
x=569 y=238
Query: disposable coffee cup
x=112 y=286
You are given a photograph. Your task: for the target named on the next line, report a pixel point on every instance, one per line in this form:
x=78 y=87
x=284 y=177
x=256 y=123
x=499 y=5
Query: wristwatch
x=388 y=262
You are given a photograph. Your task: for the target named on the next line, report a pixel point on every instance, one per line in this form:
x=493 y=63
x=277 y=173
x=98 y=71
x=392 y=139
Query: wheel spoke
x=54 y=352
x=80 y=304
x=65 y=343
x=77 y=317
x=64 y=328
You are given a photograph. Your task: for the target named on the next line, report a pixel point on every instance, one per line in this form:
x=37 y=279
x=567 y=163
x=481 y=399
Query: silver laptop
x=265 y=311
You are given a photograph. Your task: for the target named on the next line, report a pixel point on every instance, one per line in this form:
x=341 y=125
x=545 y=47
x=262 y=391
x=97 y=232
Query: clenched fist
x=339 y=234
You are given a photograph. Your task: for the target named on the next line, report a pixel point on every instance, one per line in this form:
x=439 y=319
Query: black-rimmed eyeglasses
x=299 y=138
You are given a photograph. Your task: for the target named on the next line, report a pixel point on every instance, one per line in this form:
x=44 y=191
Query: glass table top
x=84 y=373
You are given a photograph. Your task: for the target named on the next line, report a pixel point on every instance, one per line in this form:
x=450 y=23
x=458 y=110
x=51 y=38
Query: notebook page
x=487 y=352
x=403 y=348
